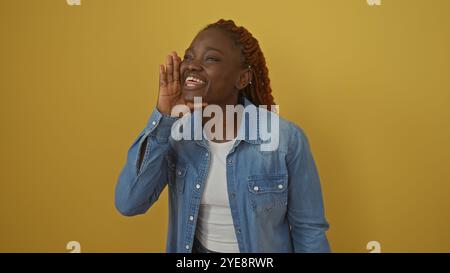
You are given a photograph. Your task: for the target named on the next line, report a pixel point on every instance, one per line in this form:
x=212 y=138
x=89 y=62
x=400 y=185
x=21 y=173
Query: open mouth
x=194 y=82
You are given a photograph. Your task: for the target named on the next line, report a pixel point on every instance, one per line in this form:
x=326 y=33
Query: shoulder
x=289 y=134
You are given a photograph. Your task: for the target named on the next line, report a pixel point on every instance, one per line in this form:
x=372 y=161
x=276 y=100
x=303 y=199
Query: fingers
x=162 y=76
x=173 y=67
x=176 y=67
x=169 y=68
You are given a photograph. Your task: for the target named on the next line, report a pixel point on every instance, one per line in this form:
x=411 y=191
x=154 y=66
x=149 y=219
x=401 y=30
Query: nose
x=193 y=65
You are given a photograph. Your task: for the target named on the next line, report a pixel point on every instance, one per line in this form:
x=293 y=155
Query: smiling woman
x=221 y=61
x=225 y=195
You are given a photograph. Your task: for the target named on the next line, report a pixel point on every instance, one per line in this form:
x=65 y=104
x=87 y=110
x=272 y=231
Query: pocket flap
x=267 y=183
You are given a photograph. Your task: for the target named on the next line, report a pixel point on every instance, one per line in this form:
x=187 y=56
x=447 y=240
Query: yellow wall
x=369 y=84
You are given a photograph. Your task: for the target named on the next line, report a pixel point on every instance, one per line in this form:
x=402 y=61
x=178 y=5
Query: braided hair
x=258 y=91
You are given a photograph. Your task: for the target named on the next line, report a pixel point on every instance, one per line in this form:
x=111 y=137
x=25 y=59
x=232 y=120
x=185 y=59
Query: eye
x=187 y=57
x=212 y=59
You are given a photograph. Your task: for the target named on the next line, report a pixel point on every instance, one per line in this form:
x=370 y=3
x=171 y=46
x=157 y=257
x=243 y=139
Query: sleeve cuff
x=159 y=124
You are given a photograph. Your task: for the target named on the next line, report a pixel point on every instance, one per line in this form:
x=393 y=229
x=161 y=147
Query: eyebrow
x=207 y=48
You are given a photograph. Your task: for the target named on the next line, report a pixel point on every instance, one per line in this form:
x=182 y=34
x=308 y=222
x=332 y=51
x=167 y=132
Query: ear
x=244 y=78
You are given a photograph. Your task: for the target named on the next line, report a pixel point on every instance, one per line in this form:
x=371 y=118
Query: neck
x=227 y=125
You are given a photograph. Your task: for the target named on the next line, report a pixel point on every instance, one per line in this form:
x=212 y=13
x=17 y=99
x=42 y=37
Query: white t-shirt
x=215 y=229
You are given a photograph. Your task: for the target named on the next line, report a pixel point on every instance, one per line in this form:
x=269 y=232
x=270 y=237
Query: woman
x=225 y=194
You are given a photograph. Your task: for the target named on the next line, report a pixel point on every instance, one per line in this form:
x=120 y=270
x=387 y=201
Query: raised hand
x=170 y=85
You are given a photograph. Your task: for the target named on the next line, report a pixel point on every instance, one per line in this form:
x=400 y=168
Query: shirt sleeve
x=139 y=185
x=305 y=203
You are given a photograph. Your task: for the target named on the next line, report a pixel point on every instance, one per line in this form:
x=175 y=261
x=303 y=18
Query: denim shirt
x=275 y=196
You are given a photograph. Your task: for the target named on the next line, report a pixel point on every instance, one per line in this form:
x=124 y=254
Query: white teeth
x=191 y=78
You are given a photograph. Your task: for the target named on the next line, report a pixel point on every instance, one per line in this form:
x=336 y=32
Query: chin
x=189 y=96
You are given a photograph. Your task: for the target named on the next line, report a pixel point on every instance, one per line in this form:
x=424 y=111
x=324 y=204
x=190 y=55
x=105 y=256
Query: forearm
x=144 y=175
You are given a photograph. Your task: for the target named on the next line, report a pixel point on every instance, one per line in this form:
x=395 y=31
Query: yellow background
x=369 y=84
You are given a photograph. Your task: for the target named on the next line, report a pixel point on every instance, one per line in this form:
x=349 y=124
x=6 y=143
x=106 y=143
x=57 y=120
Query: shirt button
x=230 y=161
x=187 y=246
x=238 y=230
x=280 y=186
x=191 y=218
x=233 y=195
x=179 y=172
x=197 y=186
x=206 y=154
x=154 y=122
x=255 y=188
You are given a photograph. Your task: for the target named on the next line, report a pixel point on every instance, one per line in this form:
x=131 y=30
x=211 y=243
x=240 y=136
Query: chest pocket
x=268 y=192
x=177 y=176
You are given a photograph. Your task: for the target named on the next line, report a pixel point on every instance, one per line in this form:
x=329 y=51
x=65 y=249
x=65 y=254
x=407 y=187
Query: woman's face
x=211 y=68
